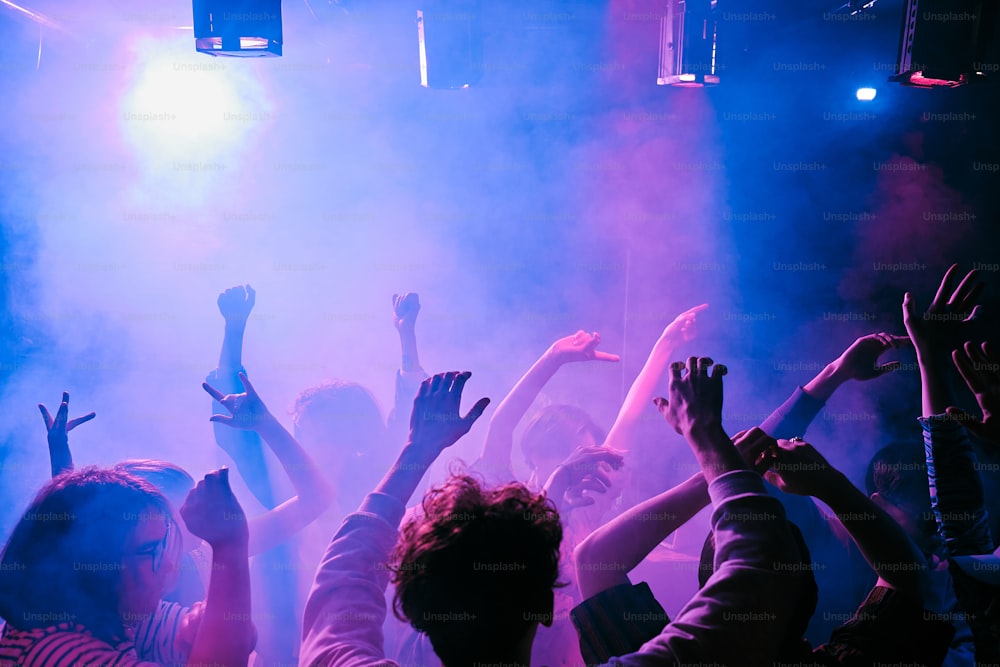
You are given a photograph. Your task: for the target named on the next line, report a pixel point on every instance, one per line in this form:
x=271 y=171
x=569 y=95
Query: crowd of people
x=139 y=564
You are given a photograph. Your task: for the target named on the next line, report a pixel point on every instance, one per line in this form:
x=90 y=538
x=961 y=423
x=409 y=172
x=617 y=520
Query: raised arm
x=956 y=489
x=243 y=447
x=980 y=368
x=225 y=634
x=346 y=607
x=937 y=332
x=644 y=386
x=405 y=308
x=582 y=346
x=740 y=614
x=235 y=304
x=313 y=493
x=860 y=362
x=796 y=467
x=605 y=557
x=59 y=453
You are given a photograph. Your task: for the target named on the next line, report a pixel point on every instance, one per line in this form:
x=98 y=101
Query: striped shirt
x=158 y=641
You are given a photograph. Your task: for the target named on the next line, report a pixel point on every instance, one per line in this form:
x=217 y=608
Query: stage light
x=450 y=40
x=688 y=44
x=943 y=42
x=866 y=94
x=241 y=28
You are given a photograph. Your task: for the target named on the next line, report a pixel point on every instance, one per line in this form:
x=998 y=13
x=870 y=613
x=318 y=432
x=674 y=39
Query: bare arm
x=694 y=410
x=225 y=634
x=405 y=309
x=643 y=389
x=617 y=547
x=858 y=362
x=796 y=467
x=605 y=557
x=243 y=447
x=313 y=493
x=980 y=368
x=937 y=332
x=500 y=436
x=59 y=453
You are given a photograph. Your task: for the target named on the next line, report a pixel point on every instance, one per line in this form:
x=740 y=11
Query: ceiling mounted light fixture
x=943 y=42
x=238 y=28
x=688 y=44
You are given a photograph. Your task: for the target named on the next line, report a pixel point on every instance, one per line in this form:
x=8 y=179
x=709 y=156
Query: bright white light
x=866 y=94
x=181 y=105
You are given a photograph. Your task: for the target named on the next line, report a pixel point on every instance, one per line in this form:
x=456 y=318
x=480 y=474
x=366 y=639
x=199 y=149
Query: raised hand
x=247 y=410
x=584 y=470
x=682 y=329
x=581 y=346
x=695 y=396
x=860 y=360
x=980 y=368
x=58 y=428
x=212 y=512
x=796 y=467
x=938 y=329
x=405 y=308
x=435 y=422
x=236 y=303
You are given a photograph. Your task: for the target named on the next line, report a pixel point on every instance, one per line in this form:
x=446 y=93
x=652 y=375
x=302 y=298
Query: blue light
x=866 y=94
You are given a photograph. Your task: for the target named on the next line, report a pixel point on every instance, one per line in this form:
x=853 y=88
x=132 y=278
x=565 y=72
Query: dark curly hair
x=63 y=562
x=478 y=568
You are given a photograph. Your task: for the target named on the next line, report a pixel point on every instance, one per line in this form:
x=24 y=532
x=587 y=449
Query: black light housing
x=238 y=28
x=688 y=44
x=943 y=42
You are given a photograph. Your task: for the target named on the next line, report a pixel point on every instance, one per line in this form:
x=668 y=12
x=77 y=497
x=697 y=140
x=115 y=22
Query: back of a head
x=173 y=481
x=340 y=412
x=900 y=470
x=341 y=426
x=556 y=431
x=63 y=561
x=898 y=474
x=477 y=570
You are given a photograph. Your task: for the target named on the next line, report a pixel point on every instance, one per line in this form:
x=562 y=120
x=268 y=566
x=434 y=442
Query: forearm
x=313 y=492
x=225 y=635
x=500 y=436
x=620 y=545
x=935 y=382
x=403 y=478
x=826 y=382
x=410 y=362
x=60 y=457
x=639 y=395
x=231 y=355
x=247 y=452
x=714 y=450
x=308 y=482
x=882 y=542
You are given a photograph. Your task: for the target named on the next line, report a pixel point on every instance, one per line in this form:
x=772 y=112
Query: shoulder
x=63 y=645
